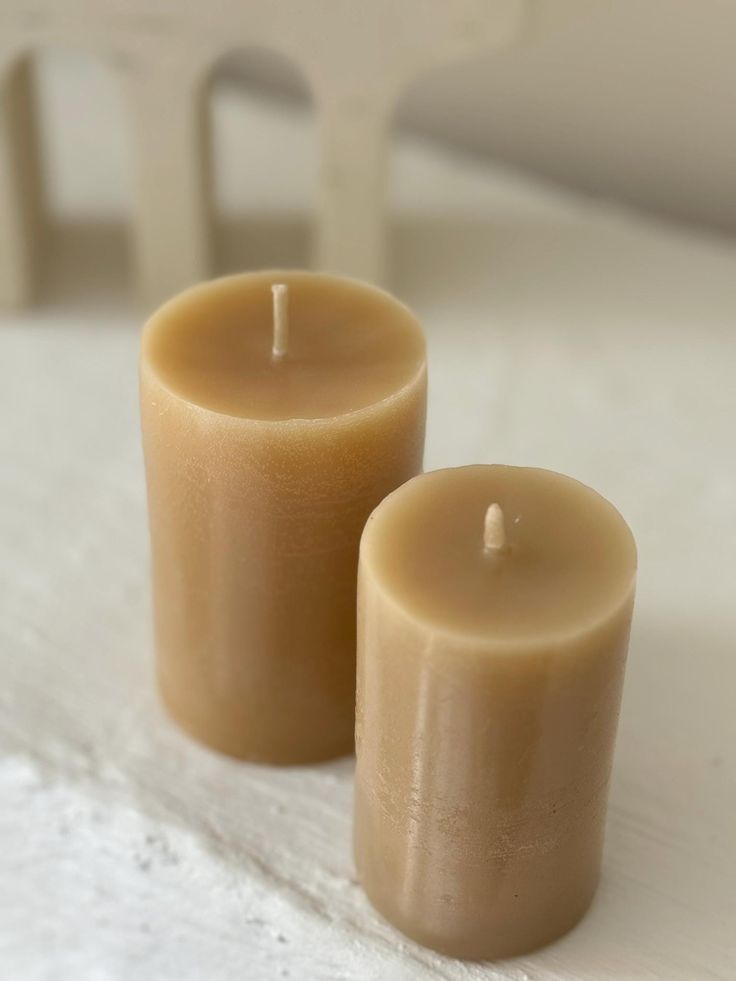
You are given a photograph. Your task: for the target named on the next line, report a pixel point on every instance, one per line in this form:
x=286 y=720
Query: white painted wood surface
x=560 y=335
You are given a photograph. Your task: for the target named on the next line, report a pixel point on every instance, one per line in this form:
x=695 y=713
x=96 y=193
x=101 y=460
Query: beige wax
x=491 y=652
x=262 y=466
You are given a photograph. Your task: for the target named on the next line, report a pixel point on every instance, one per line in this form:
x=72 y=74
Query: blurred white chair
x=357 y=57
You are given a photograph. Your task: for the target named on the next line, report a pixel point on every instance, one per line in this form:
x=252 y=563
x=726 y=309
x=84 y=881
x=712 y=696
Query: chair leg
x=350 y=233
x=172 y=222
x=20 y=186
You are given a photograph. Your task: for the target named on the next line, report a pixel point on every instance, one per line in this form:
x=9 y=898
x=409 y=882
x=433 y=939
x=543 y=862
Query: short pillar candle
x=493 y=622
x=278 y=409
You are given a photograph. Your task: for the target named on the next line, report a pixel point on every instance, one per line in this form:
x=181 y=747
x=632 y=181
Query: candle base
x=224 y=732
x=491 y=947
x=499 y=930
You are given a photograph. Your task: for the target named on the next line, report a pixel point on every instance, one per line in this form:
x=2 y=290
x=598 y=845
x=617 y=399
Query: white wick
x=280 y=293
x=494 y=532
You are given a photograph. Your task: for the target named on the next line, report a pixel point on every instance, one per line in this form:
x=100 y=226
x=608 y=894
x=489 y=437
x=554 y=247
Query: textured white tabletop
x=561 y=335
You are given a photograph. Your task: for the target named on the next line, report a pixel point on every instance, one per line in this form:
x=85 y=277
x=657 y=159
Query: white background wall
x=629 y=99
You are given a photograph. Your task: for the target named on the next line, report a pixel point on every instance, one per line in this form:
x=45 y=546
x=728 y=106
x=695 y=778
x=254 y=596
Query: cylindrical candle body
x=489 y=683
x=261 y=472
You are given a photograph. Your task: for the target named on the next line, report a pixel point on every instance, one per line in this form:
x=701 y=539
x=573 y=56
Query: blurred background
x=629 y=101
x=561 y=216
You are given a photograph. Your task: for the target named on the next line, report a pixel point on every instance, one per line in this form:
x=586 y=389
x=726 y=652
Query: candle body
x=260 y=478
x=487 y=707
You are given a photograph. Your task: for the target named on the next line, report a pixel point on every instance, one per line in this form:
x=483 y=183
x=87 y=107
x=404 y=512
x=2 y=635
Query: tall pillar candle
x=493 y=623
x=278 y=409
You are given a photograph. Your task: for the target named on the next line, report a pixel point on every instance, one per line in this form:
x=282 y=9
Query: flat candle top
x=568 y=557
x=349 y=346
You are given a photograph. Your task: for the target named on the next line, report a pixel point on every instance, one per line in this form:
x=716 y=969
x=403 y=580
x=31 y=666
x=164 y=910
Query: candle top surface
x=565 y=560
x=350 y=346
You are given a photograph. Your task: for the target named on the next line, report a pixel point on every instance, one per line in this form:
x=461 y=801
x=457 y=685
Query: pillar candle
x=278 y=409
x=493 y=622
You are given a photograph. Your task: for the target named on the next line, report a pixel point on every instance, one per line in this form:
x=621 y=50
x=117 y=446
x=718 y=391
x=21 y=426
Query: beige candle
x=493 y=622
x=278 y=409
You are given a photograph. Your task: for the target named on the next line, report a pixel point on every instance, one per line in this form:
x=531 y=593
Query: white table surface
x=561 y=334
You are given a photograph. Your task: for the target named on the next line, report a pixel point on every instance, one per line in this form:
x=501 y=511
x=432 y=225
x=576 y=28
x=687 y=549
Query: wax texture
x=260 y=478
x=488 y=697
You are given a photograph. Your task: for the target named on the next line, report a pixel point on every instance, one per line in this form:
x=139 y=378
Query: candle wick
x=280 y=293
x=494 y=532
